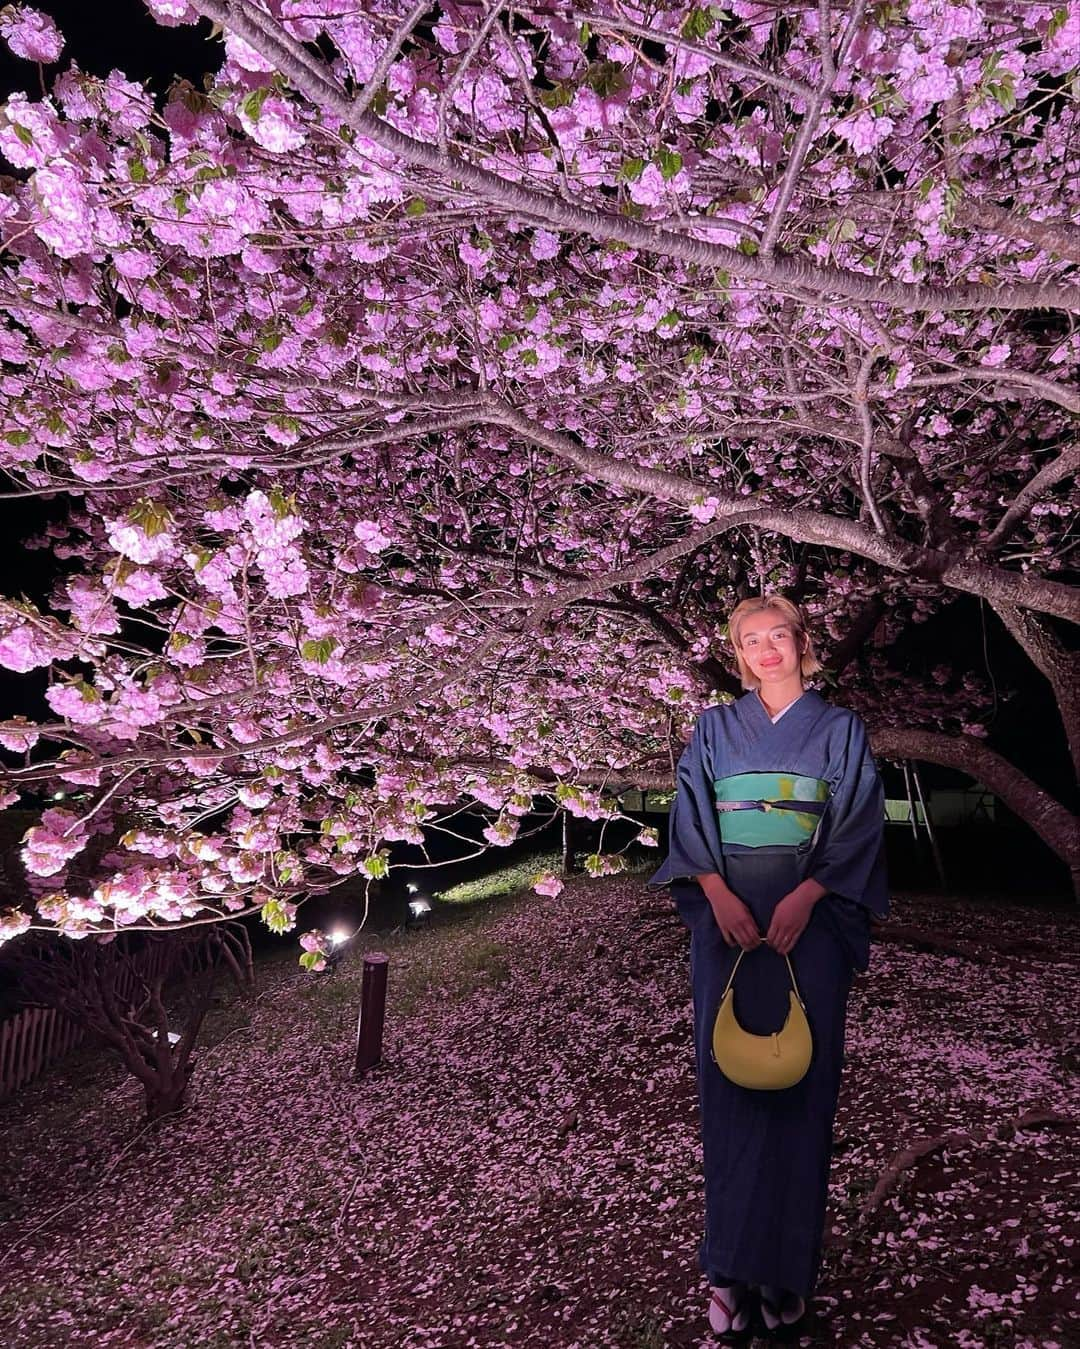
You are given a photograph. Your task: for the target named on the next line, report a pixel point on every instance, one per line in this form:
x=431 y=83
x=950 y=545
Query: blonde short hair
x=792 y=614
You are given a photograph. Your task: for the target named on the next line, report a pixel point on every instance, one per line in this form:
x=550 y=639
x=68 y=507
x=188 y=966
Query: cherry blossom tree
x=100 y=984
x=425 y=386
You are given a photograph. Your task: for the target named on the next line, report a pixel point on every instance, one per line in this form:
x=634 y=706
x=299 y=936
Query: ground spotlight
x=419 y=911
x=338 y=940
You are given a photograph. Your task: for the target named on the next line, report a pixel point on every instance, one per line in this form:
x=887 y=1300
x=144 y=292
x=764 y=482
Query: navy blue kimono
x=767 y=1153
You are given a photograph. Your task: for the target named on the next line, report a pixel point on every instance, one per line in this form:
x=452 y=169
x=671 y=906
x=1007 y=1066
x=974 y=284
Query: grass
x=422 y=970
x=496 y=884
x=519 y=875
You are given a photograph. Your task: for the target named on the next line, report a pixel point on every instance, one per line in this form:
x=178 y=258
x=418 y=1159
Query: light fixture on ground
x=338 y=939
x=419 y=911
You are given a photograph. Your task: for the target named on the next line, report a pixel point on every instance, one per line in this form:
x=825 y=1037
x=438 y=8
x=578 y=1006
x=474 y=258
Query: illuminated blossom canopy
x=425 y=386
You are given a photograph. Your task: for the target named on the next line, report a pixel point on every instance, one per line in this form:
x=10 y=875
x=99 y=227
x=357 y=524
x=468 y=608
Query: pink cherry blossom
x=30 y=34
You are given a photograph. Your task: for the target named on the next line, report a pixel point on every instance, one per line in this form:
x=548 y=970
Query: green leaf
x=23 y=133
x=1058 y=20
x=283 y=506
x=417 y=206
x=137 y=171
x=698 y=24
x=252 y=106
x=17 y=437
x=630 y=169
x=669 y=162
x=605 y=78
x=1004 y=93
x=152 y=517
x=274 y=916
x=529 y=357
x=375 y=866
x=505 y=342
x=559 y=97
x=309 y=960
x=954 y=194
x=319 y=650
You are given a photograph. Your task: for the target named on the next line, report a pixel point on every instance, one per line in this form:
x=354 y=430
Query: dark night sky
x=120 y=34
x=104 y=35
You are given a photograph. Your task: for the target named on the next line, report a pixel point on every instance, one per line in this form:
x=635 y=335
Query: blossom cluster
x=364 y=450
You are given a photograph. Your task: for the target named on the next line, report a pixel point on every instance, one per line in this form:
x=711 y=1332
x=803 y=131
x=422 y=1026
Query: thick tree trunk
x=1061 y=668
x=1055 y=825
x=99 y=986
x=166 y=1094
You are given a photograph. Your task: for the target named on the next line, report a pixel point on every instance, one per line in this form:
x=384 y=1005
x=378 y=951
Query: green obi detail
x=761 y=809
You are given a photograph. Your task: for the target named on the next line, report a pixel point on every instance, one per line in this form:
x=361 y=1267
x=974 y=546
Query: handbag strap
x=731 y=978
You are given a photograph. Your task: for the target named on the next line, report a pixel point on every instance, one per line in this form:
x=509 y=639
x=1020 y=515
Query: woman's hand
x=734 y=919
x=791 y=915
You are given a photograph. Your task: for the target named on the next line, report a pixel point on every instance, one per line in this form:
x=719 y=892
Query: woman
x=774 y=882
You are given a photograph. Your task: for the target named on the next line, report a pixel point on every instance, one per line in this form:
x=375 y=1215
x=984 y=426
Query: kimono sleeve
x=849 y=855
x=694 y=832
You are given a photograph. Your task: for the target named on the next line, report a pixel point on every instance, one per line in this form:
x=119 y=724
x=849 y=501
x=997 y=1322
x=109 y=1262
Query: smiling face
x=771 y=648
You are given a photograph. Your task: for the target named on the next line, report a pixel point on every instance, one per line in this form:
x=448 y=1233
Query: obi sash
x=764 y=809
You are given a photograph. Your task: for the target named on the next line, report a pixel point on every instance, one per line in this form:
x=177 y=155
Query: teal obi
x=762 y=809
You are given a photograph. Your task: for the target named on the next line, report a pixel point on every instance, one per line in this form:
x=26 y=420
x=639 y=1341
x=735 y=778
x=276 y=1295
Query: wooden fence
x=36 y=1037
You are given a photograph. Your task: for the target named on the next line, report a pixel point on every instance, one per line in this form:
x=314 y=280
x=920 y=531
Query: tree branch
x=1064 y=466
x=806 y=281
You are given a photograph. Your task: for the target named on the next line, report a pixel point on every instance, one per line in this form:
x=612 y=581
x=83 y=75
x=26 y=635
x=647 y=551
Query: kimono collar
x=774 y=717
x=752 y=709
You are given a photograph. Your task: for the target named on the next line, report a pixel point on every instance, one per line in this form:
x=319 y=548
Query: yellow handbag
x=762 y=1062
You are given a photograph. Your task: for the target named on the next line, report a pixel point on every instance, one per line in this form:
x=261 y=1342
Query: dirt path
x=524 y=1169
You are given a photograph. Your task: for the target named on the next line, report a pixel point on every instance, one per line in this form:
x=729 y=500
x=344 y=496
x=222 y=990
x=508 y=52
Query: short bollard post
x=372 y=1011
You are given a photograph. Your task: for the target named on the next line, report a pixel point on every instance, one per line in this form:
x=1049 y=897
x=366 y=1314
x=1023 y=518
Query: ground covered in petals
x=524 y=1167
